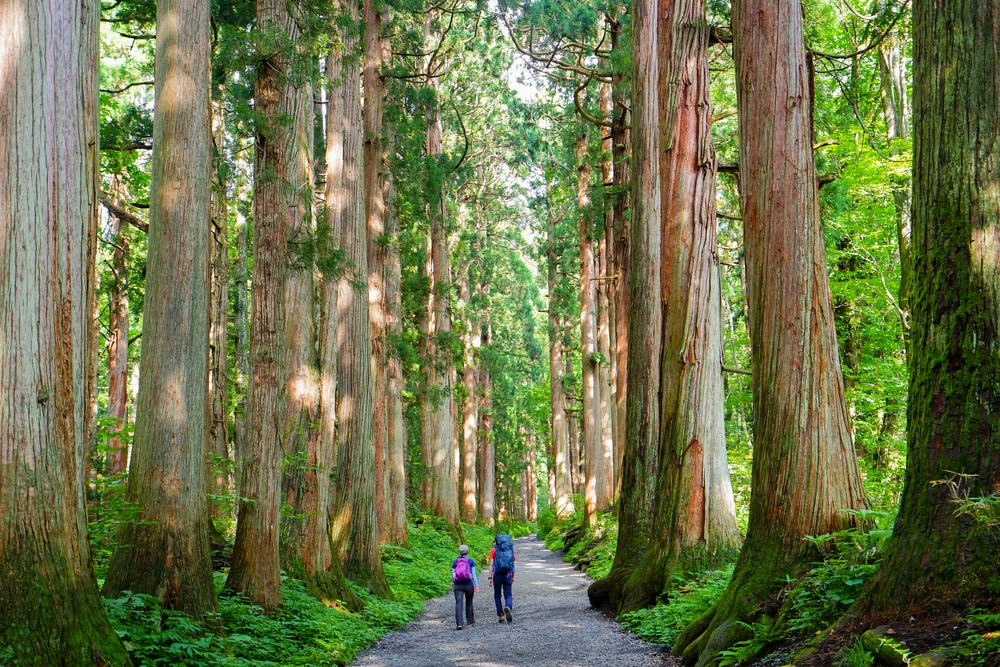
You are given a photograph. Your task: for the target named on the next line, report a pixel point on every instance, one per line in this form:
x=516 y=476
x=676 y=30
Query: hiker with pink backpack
x=463 y=575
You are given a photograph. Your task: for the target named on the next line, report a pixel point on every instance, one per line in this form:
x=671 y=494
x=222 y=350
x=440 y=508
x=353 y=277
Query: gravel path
x=554 y=625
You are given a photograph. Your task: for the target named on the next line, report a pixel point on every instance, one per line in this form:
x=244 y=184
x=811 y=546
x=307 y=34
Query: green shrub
x=687 y=600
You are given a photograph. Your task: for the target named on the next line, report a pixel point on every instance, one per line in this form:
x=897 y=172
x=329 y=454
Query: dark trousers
x=502 y=581
x=466 y=591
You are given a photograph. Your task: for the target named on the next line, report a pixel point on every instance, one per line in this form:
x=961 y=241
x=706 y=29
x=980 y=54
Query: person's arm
x=475 y=580
x=490 y=572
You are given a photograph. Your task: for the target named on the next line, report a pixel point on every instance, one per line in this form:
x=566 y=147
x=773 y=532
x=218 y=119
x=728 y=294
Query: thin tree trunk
x=52 y=611
x=563 y=497
x=218 y=380
x=645 y=336
x=398 y=441
x=255 y=571
x=354 y=527
x=804 y=470
x=605 y=248
x=241 y=334
x=440 y=438
x=117 y=456
x=166 y=551
x=596 y=495
x=622 y=150
x=531 y=475
x=470 y=412
x=487 y=451
x=941 y=561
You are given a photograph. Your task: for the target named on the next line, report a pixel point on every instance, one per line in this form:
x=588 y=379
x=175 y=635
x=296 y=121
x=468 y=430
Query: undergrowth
x=688 y=599
x=305 y=631
x=591 y=550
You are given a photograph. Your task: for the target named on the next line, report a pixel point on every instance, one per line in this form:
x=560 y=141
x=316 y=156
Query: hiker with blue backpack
x=502 y=575
x=463 y=575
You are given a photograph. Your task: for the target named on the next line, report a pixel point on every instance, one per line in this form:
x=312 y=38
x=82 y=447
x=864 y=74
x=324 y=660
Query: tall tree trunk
x=165 y=552
x=255 y=571
x=398 y=441
x=218 y=342
x=531 y=478
x=596 y=495
x=563 y=498
x=470 y=411
x=440 y=438
x=354 y=527
x=940 y=560
x=804 y=470
x=694 y=525
x=605 y=248
x=241 y=336
x=378 y=255
x=621 y=177
x=52 y=611
x=301 y=379
x=117 y=456
x=645 y=335
x=321 y=567
x=487 y=450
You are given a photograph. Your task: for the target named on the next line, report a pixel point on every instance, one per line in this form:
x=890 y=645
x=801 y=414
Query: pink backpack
x=462 y=573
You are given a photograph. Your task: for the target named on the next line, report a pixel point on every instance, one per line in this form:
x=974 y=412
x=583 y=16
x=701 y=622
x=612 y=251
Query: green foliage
x=980 y=644
x=819 y=598
x=688 y=599
x=854 y=655
x=305 y=631
x=764 y=634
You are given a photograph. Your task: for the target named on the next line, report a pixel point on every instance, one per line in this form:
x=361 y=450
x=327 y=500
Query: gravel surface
x=554 y=625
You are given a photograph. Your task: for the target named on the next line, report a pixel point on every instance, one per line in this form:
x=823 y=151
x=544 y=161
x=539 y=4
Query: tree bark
x=165 y=552
x=596 y=493
x=563 y=498
x=622 y=150
x=470 y=411
x=645 y=336
x=117 y=457
x=52 y=611
x=605 y=248
x=694 y=525
x=378 y=255
x=487 y=451
x=940 y=559
x=255 y=572
x=804 y=470
x=439 y=404
x=300 y=378
x=354 y=527
x=398 y=441
x=218 y=343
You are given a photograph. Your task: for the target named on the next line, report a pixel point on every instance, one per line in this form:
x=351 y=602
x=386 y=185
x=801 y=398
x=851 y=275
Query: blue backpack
x=504 y=561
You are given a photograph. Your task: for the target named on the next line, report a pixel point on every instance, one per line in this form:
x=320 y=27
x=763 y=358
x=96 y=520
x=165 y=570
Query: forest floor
x=554 y=625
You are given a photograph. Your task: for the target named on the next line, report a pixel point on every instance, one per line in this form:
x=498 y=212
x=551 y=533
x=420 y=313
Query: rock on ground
x=554 y=625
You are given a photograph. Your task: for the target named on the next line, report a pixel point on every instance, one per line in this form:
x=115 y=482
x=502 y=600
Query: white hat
x=463 y=549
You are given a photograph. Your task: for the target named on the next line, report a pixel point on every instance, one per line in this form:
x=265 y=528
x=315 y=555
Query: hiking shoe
x=470 y=623
x=501 y=619
x=458 y=627
x=506 y=612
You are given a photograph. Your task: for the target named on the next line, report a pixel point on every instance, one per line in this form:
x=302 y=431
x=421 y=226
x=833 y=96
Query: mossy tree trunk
x=166 y=552
x=804 y=470
x=116 y=461
x=52 y=610
x=940 y=560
